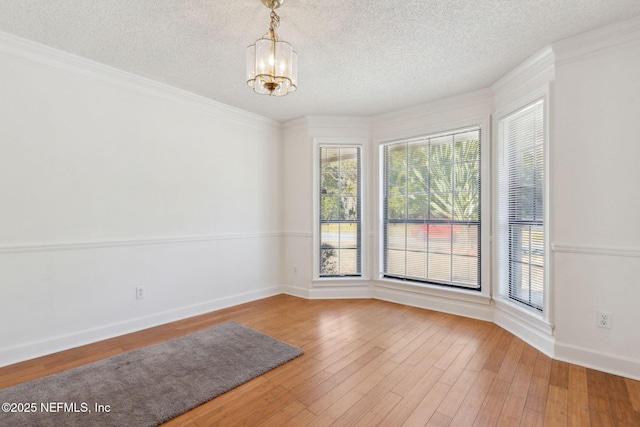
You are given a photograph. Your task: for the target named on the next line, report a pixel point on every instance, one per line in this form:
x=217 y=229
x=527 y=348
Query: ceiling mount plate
x=272 y=4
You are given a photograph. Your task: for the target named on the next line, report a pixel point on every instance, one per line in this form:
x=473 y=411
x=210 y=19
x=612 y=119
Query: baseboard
x=295 y=291
x=605 y=362
x=429 y=302
x=347 y=292
x=539 y=336
x=51 y=345
x=543 y=341
x=340 y=293
x=452 y=306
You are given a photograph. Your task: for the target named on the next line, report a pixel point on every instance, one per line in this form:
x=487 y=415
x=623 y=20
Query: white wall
x=470 y=109
x=297 y=215
x=473 y=108
x=298 y=249
x=596 y=199
x=529 y=82
x=109 y=182
x=594 y=171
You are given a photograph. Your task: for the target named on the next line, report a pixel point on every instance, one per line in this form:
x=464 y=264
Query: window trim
x=541 y=319
x=456 y=293
x=354 y=280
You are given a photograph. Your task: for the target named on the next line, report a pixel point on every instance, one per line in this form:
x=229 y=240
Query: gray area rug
x=149 y=386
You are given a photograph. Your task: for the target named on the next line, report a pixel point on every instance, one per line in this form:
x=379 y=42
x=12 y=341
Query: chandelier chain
x=275 y=21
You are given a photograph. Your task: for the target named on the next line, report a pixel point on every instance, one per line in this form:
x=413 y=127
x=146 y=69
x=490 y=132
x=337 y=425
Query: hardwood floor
x=369 y=362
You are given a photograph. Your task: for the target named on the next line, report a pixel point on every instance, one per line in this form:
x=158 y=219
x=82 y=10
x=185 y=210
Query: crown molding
x=536 y=71
x=295 y=126
x=598 y=40
x=30 y=51
x=356 y=122
x=339 y=126
x=422 y=118
x=481 y=97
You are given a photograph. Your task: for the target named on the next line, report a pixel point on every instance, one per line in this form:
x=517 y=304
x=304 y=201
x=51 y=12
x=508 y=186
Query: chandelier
x=272 y=64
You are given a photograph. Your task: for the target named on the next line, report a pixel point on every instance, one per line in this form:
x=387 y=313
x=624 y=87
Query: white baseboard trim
x=325 y=292
x=430 y=302
x=533 y=336
x=480 y=309
x=605 y=362
x=352 y=292
x=296 y=291
x=51 y=345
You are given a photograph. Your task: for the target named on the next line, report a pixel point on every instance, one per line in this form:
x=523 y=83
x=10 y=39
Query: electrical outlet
x=295 y=269
x=139 y=292
x=604 y=320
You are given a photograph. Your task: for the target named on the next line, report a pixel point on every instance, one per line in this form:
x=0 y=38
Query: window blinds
x=521 y=206
x=431 y=209
x=340 y=211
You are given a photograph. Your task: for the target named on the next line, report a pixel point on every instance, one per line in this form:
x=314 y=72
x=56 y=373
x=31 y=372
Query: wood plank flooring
x=370 y=362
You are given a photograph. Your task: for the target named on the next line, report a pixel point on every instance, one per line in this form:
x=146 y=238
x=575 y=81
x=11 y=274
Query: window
x=431 y=209
x=521 y=206
x=340 y=216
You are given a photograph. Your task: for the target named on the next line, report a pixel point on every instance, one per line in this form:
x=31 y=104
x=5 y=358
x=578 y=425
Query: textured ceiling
x=354 y=57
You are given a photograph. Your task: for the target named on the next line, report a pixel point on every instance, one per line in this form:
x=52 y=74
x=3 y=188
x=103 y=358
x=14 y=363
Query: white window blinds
x=340 y=211
x=431 y=209
x=521 y=206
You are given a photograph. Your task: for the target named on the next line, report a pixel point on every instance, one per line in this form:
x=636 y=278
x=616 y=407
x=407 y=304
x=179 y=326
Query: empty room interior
x=437 y=201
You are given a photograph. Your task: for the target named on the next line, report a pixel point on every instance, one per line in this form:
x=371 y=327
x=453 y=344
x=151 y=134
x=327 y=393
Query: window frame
x=538 y=318
x=482 y=295
x=319 y=280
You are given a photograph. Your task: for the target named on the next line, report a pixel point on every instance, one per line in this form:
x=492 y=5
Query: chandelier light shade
x=272 y=64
